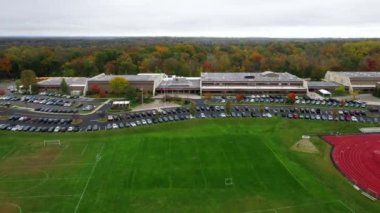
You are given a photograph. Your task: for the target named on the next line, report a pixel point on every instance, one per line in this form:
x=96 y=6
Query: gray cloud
x=269 y=18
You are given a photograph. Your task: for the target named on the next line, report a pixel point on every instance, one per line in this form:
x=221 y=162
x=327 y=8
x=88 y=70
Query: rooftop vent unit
x=249 y=77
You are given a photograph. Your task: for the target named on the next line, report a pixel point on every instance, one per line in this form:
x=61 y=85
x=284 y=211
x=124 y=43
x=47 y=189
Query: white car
x=115 y=126
x=222 y=115
x=267 y=115
x=354 y=119
x=57 y=128
x=70 y=129
x=143 y=121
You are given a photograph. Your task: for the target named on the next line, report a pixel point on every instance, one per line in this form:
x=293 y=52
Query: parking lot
x=62 y=123
x=50 y=103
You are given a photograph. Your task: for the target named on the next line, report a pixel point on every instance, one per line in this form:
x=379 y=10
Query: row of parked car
x=52 y=94
x=299 y=100
x=39 y=100
x=40 y=120
x=55 y=110
x=332 y=102
x=32 y=128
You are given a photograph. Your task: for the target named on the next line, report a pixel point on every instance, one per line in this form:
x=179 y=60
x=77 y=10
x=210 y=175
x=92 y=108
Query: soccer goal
x=52 y=142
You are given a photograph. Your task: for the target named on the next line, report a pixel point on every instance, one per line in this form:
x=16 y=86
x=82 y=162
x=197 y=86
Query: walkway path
x=155 y=105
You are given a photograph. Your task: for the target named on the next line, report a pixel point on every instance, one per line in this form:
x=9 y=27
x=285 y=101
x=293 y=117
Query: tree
x=102 y=93
x=193 y=108
x=292 y=97
x=340 y=90
x=207 y=97
x=64 y=87
x=69 y=72
x=228 y=107
x=18 y=84
x=28 y=78
x=354 y=94
x=34 y=88
x=335 y=113
x=239 y=98
x=2 y=92
x=94 y=89
x=131 y=93
x=376 y=91
x=342 y=102
x=5 y=66
x=118 y=85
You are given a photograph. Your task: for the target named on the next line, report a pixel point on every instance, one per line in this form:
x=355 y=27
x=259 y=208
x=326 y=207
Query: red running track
x=358 y=158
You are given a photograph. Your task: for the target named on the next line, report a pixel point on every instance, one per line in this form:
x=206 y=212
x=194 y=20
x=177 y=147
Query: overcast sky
x=217 y=18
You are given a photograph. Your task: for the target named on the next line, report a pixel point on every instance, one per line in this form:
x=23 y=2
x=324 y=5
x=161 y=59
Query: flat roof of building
x=249 y=76
x=206 y=88
x=322 y=84
x=71 y=81
x=180 y=82
x=359 y=74
x=139 y=77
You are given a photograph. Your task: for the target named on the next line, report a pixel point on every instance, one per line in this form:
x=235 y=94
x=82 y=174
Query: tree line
x=308 y=59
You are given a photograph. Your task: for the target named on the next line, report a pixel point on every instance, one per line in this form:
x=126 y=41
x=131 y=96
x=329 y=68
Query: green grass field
x=229 y=165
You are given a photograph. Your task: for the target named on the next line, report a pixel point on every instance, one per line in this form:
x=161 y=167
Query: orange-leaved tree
x=292 y=97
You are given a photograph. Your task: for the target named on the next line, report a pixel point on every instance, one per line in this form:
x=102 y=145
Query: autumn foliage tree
x=118 y=85
x=2 y=92
x=239 y=98
x=292 y=97
x=28 y=79
x=306 y=59
x=94 y=88
x=102 y=93
x=5 y=66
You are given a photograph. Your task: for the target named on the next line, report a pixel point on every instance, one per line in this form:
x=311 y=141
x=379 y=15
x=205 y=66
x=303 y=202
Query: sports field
x=229 y=165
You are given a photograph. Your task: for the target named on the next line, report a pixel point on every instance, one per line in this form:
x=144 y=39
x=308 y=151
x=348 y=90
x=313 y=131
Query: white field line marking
x=38 y=196
x=36 y=179
x=53 y=166
x=32 y=187
x=341 y=202
x=201 y=166
x=287 y=169
x=299 y=205
x=98 y=157
x=134 y=167
x=252 y=166
x=83 y=150
x=9 y=152
x=60 y=154
x=229 y=165
x=171 y=166
x=15 y=205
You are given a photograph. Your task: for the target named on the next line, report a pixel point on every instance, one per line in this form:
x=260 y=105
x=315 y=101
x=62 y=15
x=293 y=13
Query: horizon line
x=172 y=36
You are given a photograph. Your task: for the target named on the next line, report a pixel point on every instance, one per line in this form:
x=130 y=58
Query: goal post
x=52 y=142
